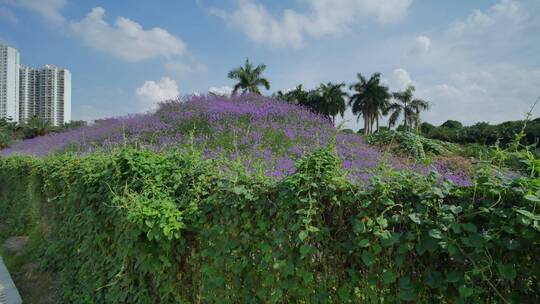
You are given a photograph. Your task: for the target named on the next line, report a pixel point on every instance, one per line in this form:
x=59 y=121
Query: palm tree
x=370 y=100
x=332 y=101
x=296 y=96
x=249 y=78
x=410 y=106
x=36 y=126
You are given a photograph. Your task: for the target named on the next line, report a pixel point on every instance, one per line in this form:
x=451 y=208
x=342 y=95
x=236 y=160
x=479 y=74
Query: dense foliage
x=370 y=100
x=328 y=100
x=136 y=226
x=248 y=200
x=11 y=132
x=412 y=144
x=484 y=133
x=249 y=78
x=265 y=134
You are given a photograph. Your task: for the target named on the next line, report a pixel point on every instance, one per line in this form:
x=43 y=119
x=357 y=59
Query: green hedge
x=20 y=195
x=136 y=226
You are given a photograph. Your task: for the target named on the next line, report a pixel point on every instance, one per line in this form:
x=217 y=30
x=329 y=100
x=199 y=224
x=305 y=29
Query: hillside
x=160 y=208
x=265 y=134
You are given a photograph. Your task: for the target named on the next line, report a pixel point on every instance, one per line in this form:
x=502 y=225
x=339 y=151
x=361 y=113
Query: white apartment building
x=28 y=95
x=44 y=92
x=9 y=83
x=47 y=94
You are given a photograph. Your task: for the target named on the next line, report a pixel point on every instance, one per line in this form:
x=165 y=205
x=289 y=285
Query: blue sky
x=474 y=60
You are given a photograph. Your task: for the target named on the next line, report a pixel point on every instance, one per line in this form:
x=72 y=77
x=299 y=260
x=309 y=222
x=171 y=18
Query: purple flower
x=259 y=131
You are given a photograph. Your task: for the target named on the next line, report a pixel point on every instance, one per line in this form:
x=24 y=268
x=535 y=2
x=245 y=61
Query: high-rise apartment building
x=28 y=93
x=9 y=83
x=44 y=93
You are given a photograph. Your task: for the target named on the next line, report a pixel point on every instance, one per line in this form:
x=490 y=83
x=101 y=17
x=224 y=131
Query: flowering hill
x=184 y=223
x=265 y=134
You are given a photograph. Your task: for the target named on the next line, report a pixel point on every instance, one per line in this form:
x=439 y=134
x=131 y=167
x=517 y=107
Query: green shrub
x=137 y=226
x=411 y=144
x=20 y=195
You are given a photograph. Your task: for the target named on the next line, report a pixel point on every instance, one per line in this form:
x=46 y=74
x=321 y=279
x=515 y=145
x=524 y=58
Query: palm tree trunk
x=365 y=124
x=377 y=123
x=405 y=120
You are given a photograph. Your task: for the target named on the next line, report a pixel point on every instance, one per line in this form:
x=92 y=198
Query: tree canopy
x=249 y=78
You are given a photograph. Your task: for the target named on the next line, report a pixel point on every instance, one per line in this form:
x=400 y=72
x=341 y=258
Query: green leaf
x=302 y=235
x=528 y=214
x=359 y=227
x=456 y=209
x=432 y=278
x=377 y=249
x=453 y=277
x=455 y=227
x=435 y=233
x=507 y=271
x=415 y=217
x=382 y=222
x=276 y=295
x=408 y=295
x=452 y=249
x=465 y=291
x=307 y=277
x=388 y=277
x=368 y=258
x=343 y=294
x=406 y=289
x=363 y=243
x=305 y=250
x=392 y=240
x=313 y=229
x=469 y=227
x=532 y=198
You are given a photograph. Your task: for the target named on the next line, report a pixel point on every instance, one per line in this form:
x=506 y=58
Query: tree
x=332 y=100
x=426 y=128
x=371 y=100
x=36 y=126
x=452 y=124
x=410 y=106
x=249 y=78
x=74 y=124
x=296 y=96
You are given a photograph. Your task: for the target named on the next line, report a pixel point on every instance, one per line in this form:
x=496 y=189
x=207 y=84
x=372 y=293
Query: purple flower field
x=264 y=133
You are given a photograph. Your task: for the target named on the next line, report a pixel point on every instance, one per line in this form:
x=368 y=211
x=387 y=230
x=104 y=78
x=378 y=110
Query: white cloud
x=7 y=15
x=504 y=92
x=401 y=80
x=423 y=43
x=488 y=72
x=181 y=69
x=150 y=94
x=126 y=39
x=508 y=11
x=48 y=9
x=220 y=91
x=323 y=17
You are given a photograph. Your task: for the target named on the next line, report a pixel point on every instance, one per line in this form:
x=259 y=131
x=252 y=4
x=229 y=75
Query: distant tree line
x=34 y=127
x=370 y=98
x=483 y=132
